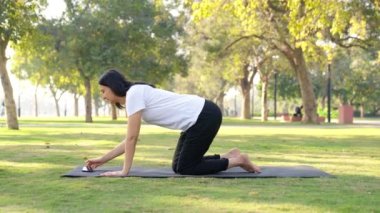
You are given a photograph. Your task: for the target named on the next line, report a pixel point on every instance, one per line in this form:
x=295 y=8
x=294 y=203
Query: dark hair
x=117 y=83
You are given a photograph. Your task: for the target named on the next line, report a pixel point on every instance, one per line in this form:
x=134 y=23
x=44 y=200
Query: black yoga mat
x=237 y=172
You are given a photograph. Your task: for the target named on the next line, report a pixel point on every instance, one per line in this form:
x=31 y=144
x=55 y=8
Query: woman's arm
x=118 y=150
x=115 y=152
x=134 y=124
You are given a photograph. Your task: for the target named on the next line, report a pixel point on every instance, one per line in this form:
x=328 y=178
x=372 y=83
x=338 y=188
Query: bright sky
x=54 y=9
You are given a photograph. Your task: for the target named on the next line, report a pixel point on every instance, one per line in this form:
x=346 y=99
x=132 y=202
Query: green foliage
x=356 y=77
x=287 y=83
x=301 y=23
x=323 y=112
x=38 y=58
x=209 y=72
x=17 y=18
x=287 y=87
x=314 y=26
x=203 y=81
x=135 y=36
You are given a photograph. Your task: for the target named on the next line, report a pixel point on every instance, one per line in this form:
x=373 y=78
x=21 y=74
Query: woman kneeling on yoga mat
x=199 y=120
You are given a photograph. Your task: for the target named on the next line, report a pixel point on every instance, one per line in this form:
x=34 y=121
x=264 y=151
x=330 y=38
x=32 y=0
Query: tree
x=17 y=18
x=294 y=27
x=23 y=67
x=230 y=66
x=357 y=78
x=203 y=79
x=38 y=59
x=209 y=75
x=138 y=36
x=266 y=71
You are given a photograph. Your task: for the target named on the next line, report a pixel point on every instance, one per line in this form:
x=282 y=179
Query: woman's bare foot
x=241 y=160
x=233 y=153
x=247 y=165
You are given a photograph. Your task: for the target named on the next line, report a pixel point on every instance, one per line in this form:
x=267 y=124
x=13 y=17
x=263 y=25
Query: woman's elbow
x=132 y=138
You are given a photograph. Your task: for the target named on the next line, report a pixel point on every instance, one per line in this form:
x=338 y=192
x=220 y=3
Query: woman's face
x=107 y=94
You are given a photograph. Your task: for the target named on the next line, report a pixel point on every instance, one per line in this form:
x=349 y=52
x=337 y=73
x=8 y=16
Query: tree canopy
x=296 y=29
x=137 y=37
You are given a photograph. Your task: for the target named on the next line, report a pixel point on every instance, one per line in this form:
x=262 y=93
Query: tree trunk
x=308 y=98
x=245 y=89
x=10 y=105
x=362 y=110
x=323 y=102
x=96 y=105
x=376 y=111
x=246 y=100
x=76 y=105
x=56 y=100
x=285 y=108
x=220 y=100
x=297 y=60
x=36 y=101
x=114 y=112
x=87 y=84
x=245 y=85
x=264 y=98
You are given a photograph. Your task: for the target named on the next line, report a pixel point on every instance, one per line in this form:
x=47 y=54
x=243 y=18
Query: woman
x=199 y=120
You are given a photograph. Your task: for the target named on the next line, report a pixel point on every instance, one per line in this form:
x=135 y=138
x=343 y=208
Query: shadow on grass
x=47 y=136
x=46 y=191
x=70 y=121
x=289 y=142
x=42 y=189
x=166 y=142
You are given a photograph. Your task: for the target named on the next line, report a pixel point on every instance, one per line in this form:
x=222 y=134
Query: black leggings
x=189 y=156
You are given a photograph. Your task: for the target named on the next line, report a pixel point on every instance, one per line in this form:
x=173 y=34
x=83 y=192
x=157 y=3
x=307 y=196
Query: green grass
x=30 y=172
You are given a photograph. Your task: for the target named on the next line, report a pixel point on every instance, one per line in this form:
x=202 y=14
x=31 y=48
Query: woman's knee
x=185 y=171
x=174 y=166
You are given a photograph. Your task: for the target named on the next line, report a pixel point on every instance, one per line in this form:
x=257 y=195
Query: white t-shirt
x=164 y=108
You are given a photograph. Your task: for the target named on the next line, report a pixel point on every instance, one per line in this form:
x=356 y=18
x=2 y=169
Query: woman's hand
x=94 y=163
x=121 y=173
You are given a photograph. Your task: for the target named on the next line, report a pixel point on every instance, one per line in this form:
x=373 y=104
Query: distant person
x=298 y=112
x=199 y=120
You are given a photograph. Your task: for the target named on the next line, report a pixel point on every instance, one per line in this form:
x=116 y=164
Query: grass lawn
x=33 y=158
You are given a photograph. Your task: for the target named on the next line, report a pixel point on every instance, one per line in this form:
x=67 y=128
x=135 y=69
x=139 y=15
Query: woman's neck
x=121 y=100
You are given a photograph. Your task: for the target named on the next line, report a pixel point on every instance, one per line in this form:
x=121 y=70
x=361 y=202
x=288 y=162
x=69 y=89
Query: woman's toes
x=248 y=165
x=256 y=168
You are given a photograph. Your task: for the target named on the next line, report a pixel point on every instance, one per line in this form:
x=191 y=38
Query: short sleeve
x=135 y=100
